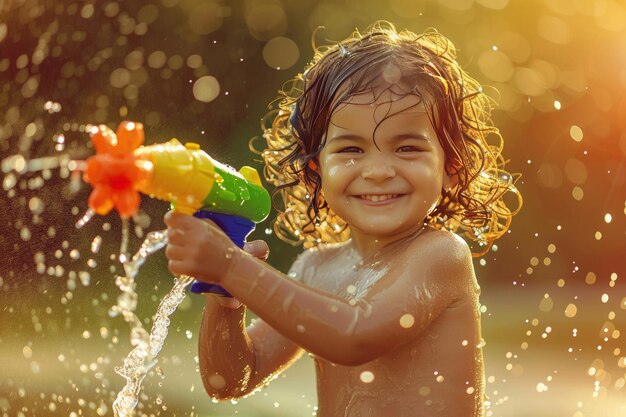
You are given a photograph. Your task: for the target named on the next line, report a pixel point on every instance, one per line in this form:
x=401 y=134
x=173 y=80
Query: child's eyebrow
x=395 y=138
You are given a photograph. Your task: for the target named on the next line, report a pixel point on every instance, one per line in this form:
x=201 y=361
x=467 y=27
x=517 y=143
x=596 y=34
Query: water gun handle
x=237 y=229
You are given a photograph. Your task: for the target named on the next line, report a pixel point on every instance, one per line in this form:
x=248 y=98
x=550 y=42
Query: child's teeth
x=377 y=197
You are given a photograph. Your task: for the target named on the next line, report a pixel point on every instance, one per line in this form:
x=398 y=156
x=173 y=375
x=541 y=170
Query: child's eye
x=409 y=148
x=350 y=149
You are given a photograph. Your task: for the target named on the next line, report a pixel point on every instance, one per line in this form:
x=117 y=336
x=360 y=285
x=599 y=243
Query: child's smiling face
x=382 y=166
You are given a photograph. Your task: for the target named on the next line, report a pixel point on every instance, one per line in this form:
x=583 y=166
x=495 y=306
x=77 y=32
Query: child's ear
x=450 y=177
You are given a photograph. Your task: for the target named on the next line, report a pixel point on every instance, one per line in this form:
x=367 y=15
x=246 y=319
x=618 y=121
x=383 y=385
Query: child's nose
x=378 y=170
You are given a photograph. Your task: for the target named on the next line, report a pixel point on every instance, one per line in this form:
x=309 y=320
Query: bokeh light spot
x=266 y=21
x=575 y=171
x=457 y=5
x=194 y=61
x=496 y=65
x=493 y=4
x=205 y=18
x=157 y=59
x=546 y=304
x=576 y=133
x=206 y=89
x=148 y=14
x=549 y=175
x=281 y=53
x=571 y=310
x=577 y=193
x=530 y=81
x=590 y=278
x=553 y=29
x=119 y=78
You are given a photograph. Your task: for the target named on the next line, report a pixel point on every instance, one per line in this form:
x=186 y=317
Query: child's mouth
x=377 y=198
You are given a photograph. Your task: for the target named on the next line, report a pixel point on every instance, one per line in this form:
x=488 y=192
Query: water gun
x=184 y=175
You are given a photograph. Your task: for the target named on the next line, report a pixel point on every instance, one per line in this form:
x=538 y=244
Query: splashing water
x=146 y=346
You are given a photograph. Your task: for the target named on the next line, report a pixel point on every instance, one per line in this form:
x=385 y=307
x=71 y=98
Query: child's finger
x=176 y=236
x=178 y=220
x=229 y=302
x=258 y=249
x=175 y=253
x=177 y=267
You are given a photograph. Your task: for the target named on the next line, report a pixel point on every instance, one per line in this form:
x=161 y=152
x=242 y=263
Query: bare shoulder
x=446 y=256
x=436 y=243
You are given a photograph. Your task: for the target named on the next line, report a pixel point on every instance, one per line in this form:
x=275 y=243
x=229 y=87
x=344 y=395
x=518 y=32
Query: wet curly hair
x=405 y=63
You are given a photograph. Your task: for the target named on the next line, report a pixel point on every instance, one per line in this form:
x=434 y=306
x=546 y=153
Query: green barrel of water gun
x=238 y=195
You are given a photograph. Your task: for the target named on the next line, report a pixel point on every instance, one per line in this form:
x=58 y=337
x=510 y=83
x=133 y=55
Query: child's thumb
x=258 y=249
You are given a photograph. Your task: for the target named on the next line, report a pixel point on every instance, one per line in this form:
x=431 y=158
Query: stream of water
x=146 y=346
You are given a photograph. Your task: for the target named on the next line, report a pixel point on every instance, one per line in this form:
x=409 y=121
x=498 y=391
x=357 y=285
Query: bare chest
x=440 y=373
x=343 y=273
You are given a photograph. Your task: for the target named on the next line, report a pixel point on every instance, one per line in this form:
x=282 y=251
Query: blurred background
x=553 y=289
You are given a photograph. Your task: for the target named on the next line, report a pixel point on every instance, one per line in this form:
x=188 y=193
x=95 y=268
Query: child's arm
x=425 y=279
x=235 y=360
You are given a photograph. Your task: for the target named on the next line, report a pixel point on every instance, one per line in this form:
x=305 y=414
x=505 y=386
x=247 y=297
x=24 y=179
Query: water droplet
x=86 y=217
x=96 y=243
x=407 y=321
x=367 y=377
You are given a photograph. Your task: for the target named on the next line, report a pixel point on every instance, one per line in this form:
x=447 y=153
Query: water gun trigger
x=251 y=175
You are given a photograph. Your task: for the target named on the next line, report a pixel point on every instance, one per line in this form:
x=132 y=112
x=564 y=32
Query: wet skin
x=438 y=371
x=391 y=317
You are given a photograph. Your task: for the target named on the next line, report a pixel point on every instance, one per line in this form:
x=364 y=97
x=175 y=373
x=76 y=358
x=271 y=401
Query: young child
x=379 y=150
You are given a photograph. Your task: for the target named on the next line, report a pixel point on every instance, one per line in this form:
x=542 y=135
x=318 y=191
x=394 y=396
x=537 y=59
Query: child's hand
x=198 y=248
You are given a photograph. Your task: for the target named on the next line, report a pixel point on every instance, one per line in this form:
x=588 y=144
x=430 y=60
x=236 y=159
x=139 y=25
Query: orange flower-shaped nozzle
x=103 y=139
x=128 y=138
x=114 y=172
x=129 y=135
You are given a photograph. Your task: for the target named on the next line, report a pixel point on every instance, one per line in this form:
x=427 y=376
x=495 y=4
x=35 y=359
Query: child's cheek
x=338 y=165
